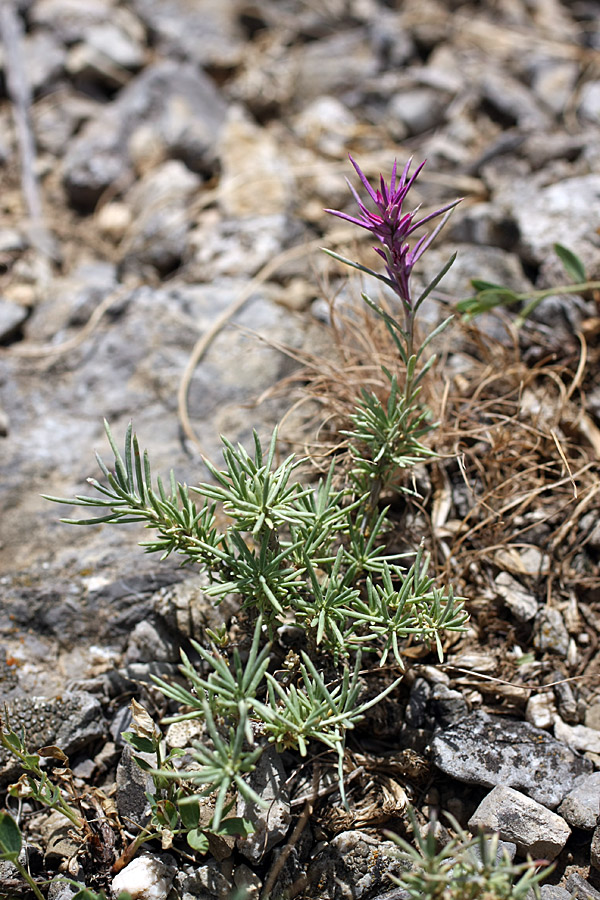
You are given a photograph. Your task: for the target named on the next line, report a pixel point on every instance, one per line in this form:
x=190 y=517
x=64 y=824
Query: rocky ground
x=165 y=168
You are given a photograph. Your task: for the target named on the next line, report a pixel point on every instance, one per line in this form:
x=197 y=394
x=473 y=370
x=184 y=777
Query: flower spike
x=392 y=226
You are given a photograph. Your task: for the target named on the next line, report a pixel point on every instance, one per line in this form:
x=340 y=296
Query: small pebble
x=145 y=878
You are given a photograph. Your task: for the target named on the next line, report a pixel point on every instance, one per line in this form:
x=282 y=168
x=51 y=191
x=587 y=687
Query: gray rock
x=45 y=59
x=417 y=711
x=353 y=864
x=186 y=608
x=595 y=848
x=512 y=102
x=554 y=81
x=225 y=248
x=159 y=203
x=270 y=824
x=589 y=104
x=417 y=110
x=12 y=317
x=205 y=34
x=150 y=641
x=58 y=890
x=132 y=784
x=493 y=750
x=578 y=737
x=521 y=603
x=336 y=65
x=581 y=806
x=533 y=828
x=537 y=208
x=202 y=882
x=185 y=111
x=553 y=892
x=565 y=698
x=447 y=706
x=71 y=722
x=115 y=45
x=550 y=632
x=579 y=888
x=70 y=19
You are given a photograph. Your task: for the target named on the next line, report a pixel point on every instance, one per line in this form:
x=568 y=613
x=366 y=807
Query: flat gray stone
x=71 y=722
x=271 y=823
x=533 y=828
x=493 y=750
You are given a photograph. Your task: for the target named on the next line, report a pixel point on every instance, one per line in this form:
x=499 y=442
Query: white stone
x=145 y=878
x=541 y=710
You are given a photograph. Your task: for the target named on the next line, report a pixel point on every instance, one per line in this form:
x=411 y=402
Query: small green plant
x=310 y=555
x=489 y=296
x=466 y=868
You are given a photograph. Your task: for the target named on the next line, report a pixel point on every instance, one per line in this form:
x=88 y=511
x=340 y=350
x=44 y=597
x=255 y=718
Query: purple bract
x=392 y=226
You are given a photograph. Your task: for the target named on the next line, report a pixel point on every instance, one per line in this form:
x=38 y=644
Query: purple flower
x=392 y=226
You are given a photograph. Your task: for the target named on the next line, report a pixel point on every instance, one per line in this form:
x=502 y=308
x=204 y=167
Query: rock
x=511 y=102
x=554 y=81
x=484 y=224
x=181 y=106
x=186 y=608
x=150 y=641
x=447 y=706
x=207 y=882
x=45 y=59
x=416 y=111
x=255 y=177
x=541 y=710
x=353 y=864
x=207 y=35
x=113 y=220
x=579 y=888
x=534 y=829
x=69 y=19
x=271 y=824
x=224 y=248
x=336 y=65
x=326 y=125
x=417 y=711
x=115 y=45
x=521 y=603
x=589 y=103
x=71 y=722
x=565 y=698
x=59 y=840
x=493 y=750
x=578 y=737
x=247 y=881
x=159 y=203
x=550 y=632
x=145 y=878
x=553 y=892
x=132 y=784
x=537 y=209
x=595 y=848
x=12 y=317
x=581 y=806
